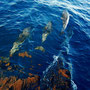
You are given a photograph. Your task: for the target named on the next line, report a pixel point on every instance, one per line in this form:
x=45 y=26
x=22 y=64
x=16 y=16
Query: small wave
x=64 y=4
x=54 y=61
x=74 y=86
x=51 y=2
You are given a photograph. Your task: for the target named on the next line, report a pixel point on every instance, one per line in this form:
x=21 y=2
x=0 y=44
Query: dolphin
x=46 y=31
x=22 y=37
x=40 y=48
x=65 y=18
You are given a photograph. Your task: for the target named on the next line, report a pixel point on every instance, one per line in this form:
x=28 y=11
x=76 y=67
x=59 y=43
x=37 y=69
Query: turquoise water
x=73 y=46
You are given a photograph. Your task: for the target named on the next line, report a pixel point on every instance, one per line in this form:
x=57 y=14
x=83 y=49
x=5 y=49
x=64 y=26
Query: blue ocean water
x=73 y=46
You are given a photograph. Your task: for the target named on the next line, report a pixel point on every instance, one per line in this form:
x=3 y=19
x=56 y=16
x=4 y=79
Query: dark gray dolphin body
x=47 y=30
x=65 y=18
x=22 y=37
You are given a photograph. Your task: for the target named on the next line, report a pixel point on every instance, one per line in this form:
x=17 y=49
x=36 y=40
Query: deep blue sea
x=73 y=46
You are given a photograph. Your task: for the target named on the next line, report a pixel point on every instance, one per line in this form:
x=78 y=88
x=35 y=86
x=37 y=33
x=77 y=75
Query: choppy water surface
x=73 y=46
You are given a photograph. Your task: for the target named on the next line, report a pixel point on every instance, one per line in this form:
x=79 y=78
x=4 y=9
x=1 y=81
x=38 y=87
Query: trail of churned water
x=65 y=63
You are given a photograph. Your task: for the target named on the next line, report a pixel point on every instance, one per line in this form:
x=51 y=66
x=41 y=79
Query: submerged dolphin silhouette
x=46 y=31
x=22 y=37
x=65 y=18
x=40 y=48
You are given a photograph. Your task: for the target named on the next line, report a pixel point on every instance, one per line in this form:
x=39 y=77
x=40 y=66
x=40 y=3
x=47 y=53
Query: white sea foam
x=74 y=86
x=54 y=61
x=59 y=3
x=51 y=2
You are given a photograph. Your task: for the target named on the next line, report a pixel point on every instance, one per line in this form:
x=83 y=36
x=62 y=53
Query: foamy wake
x=74 y=86
x=54 y=61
